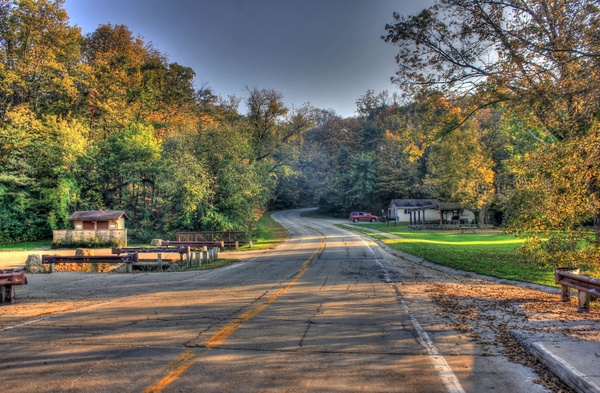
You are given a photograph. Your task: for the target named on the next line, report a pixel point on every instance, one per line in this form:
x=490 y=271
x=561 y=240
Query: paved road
x=327 y=311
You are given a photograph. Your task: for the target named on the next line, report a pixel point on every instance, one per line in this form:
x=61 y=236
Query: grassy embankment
x=490 y=253
x=269 y=233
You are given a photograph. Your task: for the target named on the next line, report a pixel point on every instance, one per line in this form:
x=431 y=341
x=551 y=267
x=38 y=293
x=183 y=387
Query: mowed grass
x=269 y=233
x=25 y=246
x=492 y=253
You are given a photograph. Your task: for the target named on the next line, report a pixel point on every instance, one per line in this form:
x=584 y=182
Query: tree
x=538 y=58
x=39 y=57
x=265 y=114
x=460 y=170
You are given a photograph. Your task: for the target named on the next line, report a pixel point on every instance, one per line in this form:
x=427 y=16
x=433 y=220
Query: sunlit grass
x=25 y=246
x=493 y=254
x=269 y=233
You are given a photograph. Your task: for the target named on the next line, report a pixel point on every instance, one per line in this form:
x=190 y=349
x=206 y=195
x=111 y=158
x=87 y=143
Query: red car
x=362 y=216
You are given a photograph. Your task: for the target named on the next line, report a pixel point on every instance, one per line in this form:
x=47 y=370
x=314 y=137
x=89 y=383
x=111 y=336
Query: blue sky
x=326 y=52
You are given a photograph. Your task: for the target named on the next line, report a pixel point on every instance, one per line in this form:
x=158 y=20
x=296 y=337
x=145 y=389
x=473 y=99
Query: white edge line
x=439 y=363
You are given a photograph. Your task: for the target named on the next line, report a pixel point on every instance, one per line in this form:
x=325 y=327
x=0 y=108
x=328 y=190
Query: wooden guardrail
x=229 y=238
x=8 y=279
x=195 y=244
x=129 y=259
x=587 y=287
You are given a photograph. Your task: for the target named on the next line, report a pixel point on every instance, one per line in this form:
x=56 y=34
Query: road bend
x=327 y=311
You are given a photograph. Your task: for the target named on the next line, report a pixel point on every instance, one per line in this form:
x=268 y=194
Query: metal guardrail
x=587 y=287
x=8 y=279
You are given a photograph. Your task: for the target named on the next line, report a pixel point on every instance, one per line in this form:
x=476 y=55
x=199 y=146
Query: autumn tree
x=39 y=57
x=538 y=58
x=460 y=169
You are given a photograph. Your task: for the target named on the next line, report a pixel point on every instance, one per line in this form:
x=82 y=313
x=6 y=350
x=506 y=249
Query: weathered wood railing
x=8 y=279
x=229 y=238
x=587 y=287
x=128 y=259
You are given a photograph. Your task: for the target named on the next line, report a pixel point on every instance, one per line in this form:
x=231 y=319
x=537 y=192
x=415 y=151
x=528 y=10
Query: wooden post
x=565 y=293
x=52 y=267
x=205 y=254
x=8 y=293
x=159 y=260
x=237 y=245
x=583 y=300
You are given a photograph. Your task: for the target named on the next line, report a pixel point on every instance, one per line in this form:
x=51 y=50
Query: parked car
x=362 y=216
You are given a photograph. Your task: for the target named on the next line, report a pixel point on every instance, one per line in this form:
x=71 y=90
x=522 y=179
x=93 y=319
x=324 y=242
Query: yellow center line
x=187 y=358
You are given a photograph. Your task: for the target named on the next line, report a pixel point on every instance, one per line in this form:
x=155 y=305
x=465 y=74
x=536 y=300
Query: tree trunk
x=593 y=190
x=481 y=216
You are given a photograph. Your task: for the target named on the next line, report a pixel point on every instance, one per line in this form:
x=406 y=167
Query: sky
x=324 y=52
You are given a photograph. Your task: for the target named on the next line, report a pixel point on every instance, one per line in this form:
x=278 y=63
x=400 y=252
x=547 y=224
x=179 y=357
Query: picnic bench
x=587 y=286
x=128 y=259
x=472 y=228
x=8 y=279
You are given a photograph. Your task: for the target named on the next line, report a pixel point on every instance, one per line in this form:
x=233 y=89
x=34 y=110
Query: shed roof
x=97 y=215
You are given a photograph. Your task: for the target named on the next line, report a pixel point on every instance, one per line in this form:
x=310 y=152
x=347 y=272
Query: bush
x=561 y=250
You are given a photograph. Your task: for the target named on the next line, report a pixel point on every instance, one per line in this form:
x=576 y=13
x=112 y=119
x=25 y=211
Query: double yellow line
x=187 y=358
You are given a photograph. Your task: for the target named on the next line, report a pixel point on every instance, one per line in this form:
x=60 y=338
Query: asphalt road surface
x=327 y=311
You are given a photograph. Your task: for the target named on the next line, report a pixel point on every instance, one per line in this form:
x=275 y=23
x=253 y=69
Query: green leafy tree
x=184 y=186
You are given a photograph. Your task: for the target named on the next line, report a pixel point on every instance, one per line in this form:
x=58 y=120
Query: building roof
x=412 y=203
x=424 y=204
x=449 y=206
x=97 y=215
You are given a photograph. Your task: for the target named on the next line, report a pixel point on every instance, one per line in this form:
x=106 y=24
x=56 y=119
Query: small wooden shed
x=98 y=220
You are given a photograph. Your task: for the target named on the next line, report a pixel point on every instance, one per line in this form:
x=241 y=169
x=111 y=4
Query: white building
x=423 y=211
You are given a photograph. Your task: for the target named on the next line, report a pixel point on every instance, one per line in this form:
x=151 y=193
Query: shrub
x=91 y=243
x=569 y=249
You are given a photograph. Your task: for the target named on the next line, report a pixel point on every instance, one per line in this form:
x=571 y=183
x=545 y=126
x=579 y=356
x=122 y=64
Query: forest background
x=497 y=109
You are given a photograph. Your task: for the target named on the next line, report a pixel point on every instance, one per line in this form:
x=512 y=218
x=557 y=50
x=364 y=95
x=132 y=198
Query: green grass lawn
x=25 y=246
x=493 y=254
